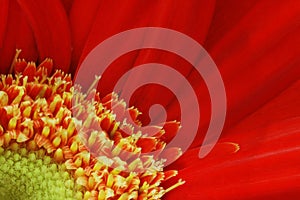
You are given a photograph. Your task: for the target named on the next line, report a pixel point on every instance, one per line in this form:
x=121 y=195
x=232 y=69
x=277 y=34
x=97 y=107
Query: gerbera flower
x=243 y=42
x=52 y=148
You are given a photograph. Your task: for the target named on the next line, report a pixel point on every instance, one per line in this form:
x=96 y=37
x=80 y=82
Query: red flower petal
x=256 y=57
x=123 y=16
x=17 y=34
x=82 y=17
x=260 y=54
x=285 y=106
x=264 y=169
x=53 y=39
x=3 y=19
x=266 y=165
x=226 y=17
x=67 y=5
x=222 y=151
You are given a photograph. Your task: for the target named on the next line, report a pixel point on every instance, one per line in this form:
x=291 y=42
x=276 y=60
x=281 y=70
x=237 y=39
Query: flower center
x=26 y=175
x=51 y=148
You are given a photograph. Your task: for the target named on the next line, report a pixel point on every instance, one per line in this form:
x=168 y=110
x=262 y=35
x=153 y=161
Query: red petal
x=257 y=58
x=17 y=35
x=284 y=107
x=266 y=165
x=260 y=59
x=82 y=17
x=221 y=151
x=264 y=168
x=123 y=16
x=3 y=19
x=226 y=17
x=49 y=23
x=67 y=5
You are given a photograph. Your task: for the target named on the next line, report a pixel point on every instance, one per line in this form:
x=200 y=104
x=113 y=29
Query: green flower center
x=28 y=175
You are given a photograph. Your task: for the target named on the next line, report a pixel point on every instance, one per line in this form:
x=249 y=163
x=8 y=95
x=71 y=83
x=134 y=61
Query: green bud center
x=28 y=175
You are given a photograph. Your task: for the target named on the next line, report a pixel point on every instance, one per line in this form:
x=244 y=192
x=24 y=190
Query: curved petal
x=189 y=17
x=266 y=165
x=123 y=16
x=258 y=54
x=263 y=169
x=226 y=17
x=256 y=57
x=50 y=26
x=285 y=106
x=82 y=17
x=17 y=34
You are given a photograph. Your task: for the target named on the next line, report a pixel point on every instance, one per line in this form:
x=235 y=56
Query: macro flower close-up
x=83 y=85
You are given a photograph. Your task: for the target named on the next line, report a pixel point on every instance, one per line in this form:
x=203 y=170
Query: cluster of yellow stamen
x=97 y=153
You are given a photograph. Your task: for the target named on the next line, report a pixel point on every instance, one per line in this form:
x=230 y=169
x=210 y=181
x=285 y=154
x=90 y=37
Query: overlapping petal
x=32 y=26
x=257 y=57
x=123 y=16
x=265 y=165
x=56 y=42
x=82 y=17
x=16 y=33
x=244 y=45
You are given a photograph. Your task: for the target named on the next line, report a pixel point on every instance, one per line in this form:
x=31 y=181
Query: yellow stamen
x=179 y=183
x=40 y=125
x=18 y=51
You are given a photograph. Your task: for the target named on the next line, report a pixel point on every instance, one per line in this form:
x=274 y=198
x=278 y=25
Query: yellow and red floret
x=53 y=133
